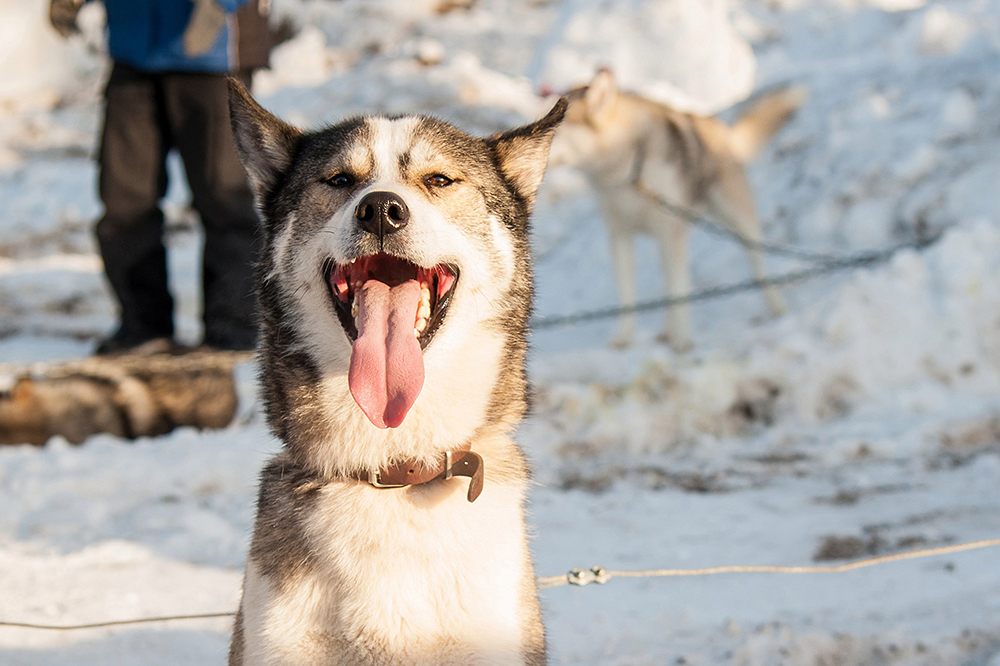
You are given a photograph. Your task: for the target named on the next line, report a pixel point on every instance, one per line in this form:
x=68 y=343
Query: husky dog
x=626 y=144
x=76 y=407
x=127 y=396
x=394 y=289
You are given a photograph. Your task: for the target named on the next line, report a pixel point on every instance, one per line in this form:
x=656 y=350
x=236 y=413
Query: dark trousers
x=147 y=115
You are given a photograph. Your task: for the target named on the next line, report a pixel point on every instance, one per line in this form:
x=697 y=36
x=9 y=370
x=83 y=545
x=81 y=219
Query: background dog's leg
x=623 y=255
x=673 y=242
x=775 y=300
x=733 y=202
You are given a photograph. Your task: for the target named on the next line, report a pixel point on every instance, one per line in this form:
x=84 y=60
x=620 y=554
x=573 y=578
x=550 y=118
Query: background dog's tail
x=755 y=126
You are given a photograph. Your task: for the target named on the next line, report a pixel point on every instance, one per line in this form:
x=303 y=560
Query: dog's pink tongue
x=387 y=367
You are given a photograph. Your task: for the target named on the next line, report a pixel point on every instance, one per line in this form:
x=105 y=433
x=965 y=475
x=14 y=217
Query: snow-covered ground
x=866 y=421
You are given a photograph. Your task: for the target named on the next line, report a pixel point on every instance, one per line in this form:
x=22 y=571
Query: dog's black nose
x=382 y=213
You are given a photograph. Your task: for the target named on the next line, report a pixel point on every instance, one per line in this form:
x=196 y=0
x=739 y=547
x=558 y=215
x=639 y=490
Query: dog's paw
x=679 y=344
x=620 y=342
x=777 y=304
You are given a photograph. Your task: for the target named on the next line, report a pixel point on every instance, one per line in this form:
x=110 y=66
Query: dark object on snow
x=127 y=396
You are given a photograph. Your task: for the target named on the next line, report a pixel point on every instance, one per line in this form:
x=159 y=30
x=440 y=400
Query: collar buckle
x=447 y=465
x=375 y=483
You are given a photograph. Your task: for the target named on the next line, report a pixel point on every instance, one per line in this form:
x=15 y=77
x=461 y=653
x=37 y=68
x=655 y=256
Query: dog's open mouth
x=390 y=309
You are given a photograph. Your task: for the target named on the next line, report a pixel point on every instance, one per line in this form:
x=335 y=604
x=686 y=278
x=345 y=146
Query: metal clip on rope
x=582 y=577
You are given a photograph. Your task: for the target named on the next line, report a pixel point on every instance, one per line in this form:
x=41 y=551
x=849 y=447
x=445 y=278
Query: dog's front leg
x=282 y=623
x=623 y=256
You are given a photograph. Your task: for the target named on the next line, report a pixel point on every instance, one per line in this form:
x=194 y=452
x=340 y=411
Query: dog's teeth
x=354 y=307
x=424 y=310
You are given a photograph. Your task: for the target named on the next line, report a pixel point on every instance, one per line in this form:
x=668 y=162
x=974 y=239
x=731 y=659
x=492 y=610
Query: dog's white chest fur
x=396 y=581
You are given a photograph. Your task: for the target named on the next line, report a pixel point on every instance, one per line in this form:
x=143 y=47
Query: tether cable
x=115 y=623
x=600 y=575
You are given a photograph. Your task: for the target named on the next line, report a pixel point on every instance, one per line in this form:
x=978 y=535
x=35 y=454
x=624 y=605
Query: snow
x=864 y=422
x=685 y=53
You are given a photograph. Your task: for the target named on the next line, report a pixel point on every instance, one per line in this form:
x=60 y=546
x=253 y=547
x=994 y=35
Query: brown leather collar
x=414 y=473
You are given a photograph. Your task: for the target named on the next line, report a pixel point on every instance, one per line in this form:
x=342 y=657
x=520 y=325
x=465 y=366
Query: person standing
x=167 y=90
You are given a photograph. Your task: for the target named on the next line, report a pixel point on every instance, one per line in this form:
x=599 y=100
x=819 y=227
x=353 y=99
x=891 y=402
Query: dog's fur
x=620 y=140
x=128 y=397
x=340 y=572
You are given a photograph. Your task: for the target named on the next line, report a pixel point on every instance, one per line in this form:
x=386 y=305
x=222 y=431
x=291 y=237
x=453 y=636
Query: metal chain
x=714 y=226
x=832 y=266
x=827 y=264
x=724 y=231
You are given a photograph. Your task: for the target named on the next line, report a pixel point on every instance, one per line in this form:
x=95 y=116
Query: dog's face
x=392 y=244
x=589 y=133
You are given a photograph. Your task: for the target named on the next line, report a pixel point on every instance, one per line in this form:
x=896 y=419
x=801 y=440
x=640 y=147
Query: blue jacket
x=148 y=35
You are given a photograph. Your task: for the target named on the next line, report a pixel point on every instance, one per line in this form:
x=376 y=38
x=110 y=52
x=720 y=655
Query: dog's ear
x=601 y=95
x=265 y=144
x=522 y=153
x=23 y=389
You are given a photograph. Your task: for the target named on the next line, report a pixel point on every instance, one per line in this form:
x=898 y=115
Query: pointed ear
x=601 y=95
x=265 y=144
x=22 y=389
x=523 y=152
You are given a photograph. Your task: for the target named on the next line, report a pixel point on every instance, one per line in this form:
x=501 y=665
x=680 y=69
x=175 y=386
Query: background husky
x=620 y=140
x=394 y=288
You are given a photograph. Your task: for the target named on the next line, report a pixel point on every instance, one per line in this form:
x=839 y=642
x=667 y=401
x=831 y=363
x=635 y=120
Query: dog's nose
x=382 y=213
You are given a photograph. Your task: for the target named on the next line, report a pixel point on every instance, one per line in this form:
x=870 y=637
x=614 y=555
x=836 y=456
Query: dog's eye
x=340 y=180
x=437 y=180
